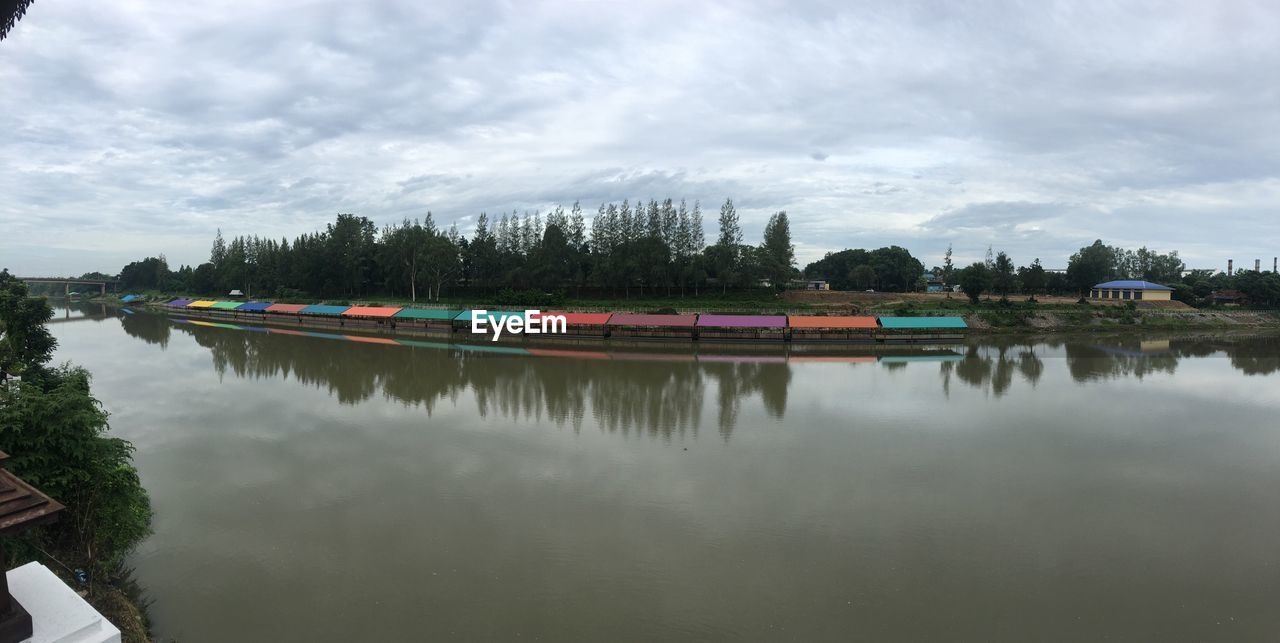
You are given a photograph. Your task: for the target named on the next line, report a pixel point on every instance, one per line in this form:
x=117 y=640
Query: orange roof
x=370 y=311
x=590 y=319
x=819 y=321
x=372 y=340
x=285 y=308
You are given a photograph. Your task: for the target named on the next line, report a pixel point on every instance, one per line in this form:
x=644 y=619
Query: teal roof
x=320 y=309
x=426 y=313
x=468 y=315
x=922 y=322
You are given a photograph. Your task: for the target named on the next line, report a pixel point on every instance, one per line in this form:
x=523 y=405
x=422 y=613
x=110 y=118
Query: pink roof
x=285 y=308
x=370 y=311
x=742 y=321
x=833 y=321
x=660 y=321
x=587 y=319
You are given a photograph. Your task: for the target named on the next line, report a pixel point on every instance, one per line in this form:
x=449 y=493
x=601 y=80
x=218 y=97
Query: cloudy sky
x=134 y=128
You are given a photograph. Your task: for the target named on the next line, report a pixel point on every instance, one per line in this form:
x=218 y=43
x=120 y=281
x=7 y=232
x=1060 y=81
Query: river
x=313 y=488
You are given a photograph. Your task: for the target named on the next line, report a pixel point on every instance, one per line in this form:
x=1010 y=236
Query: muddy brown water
x=313 y=488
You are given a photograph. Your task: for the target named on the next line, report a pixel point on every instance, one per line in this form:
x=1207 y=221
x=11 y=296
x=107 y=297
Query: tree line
x=653 y=247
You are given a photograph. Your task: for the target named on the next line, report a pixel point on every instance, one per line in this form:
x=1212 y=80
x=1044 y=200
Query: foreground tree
x=56 y=433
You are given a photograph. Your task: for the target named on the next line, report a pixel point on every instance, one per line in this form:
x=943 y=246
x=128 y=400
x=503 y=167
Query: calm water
x=313 y=489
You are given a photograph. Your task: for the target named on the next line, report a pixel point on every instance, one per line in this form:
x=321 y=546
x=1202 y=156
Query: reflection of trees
x=980 y=368
x=661 y=398
x=1115 y=359
x=152 y=329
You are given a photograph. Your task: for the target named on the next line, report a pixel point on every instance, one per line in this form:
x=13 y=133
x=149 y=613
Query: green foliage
x=891 y=269
x=528 y=298
x=25 y=342
x=777 y=254
x=975 y=280
x=56 y=433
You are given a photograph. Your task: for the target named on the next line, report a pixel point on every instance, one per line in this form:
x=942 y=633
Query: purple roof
x=180 y=303
x=742 y=321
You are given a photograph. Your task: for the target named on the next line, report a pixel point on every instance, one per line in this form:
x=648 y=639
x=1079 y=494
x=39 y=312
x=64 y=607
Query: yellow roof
x=203 y=303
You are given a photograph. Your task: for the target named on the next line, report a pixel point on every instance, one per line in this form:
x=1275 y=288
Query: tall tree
x=1002 y=276
x=778 y=255
x=948 y=268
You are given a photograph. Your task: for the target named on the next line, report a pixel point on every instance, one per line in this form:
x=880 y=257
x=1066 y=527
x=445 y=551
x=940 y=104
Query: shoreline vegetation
x=59 y=441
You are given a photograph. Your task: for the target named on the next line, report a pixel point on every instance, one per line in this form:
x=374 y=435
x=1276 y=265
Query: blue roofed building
x=1131 y=290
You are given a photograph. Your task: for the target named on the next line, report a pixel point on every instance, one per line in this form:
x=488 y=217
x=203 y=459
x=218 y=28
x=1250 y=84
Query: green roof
x=468 y=315
x=922 y=322
x=426 y=313
x=226 y=305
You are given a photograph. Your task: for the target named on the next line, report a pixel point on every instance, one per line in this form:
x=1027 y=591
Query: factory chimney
x=1229 y=262
x=1275 y=264
x=1257 y=265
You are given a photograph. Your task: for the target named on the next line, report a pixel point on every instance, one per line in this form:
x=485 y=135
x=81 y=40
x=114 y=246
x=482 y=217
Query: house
x=810 y=284
x=1227 y=297
x=1131 y=290
x=934 y=283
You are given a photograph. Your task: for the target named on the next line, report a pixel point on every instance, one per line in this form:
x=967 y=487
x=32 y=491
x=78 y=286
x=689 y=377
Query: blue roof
x=254 y=306
x=1133 y=284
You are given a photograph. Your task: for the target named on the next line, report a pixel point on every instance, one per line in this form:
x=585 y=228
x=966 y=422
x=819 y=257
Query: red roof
x=819 y=321
x=285 y=308
x=370 y=311
x=586 y=319
x=653 y=321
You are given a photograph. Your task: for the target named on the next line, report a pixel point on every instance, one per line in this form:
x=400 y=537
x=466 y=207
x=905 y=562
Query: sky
x=136 y=128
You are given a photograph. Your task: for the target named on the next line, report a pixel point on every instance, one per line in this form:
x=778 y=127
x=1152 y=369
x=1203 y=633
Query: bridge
x=67 y=283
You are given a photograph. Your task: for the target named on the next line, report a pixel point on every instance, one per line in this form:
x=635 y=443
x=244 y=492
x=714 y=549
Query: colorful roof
x=655 y=321
x=180 y=303
x=255 y=306
x=1132 y=284
x=426 y=313
x=833 y=321
x=742 y=321
x=922 y=322
x=370 y=311
x=226 y=305
x=581 y=319
x=286 y=308
x=322 y=309
x=469 y=315
x=202 y=303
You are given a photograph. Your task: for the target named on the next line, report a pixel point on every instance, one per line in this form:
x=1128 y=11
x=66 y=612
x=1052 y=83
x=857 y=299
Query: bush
x=55 y=432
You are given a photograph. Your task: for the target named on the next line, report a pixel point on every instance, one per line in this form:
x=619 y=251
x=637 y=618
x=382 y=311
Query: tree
x=777 y=254
x=975 y=280
x=25 y=342
x=403 y=251
x=1033 y=277
x=1002 y=276
x=1091 y=265
x=56 y=435
x=948 y=268
x=727 y=255
x=863 y=276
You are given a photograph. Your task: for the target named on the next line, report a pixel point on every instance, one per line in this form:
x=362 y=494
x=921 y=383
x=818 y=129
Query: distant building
x=1131 y=290
x=934 y=283
x=810 y=284
x=1227 y=297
